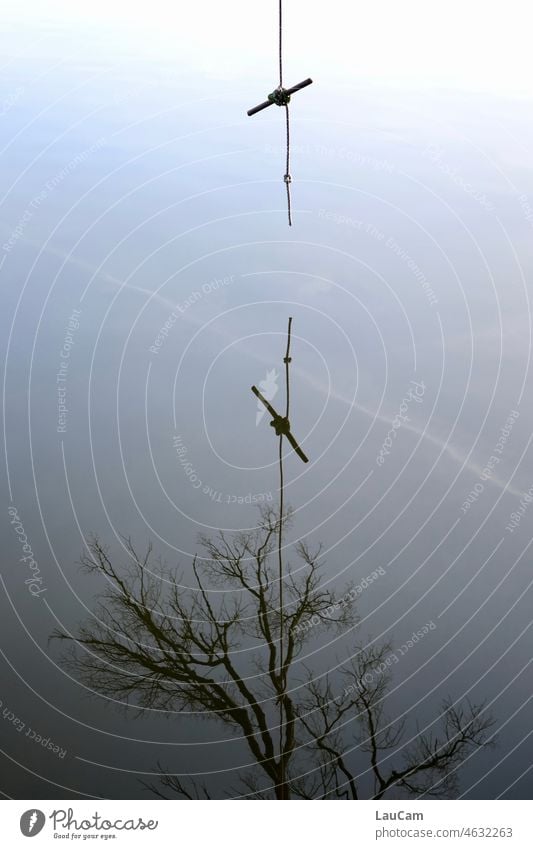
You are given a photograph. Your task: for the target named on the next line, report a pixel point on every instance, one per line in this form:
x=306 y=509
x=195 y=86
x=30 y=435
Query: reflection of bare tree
x=430 y=762
x=155 y=645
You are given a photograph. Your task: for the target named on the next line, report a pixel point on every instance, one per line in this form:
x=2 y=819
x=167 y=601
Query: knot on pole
x=280 y=96
x=287 y=179
x=281 y=425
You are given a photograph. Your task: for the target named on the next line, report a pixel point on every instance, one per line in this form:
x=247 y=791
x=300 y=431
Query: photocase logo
x=32 y=822
x=269 y=388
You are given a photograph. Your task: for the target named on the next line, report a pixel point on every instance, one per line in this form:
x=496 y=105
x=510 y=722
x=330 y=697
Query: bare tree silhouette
x=153 y=644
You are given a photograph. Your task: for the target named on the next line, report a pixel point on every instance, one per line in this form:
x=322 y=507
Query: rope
x=287 y=176
x=282 y=426
x=280 y=44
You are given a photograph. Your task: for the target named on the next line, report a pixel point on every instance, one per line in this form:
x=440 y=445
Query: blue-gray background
x=133 y=187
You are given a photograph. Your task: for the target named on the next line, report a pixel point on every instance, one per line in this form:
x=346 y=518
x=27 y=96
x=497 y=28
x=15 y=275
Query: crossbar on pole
x=289 y=91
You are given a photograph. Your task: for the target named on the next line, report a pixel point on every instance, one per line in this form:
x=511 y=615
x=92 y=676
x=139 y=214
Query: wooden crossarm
x=277 y=417
x=289 y=91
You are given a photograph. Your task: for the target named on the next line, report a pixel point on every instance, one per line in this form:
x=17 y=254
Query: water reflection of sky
x=135 y=187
